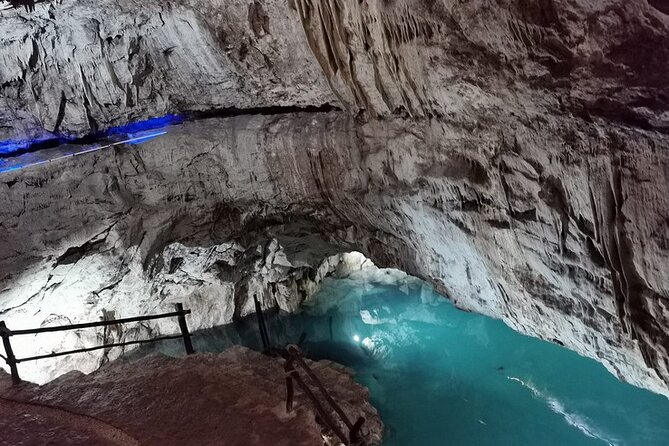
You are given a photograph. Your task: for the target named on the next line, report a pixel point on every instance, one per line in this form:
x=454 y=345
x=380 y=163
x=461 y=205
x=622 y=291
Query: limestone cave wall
x=514 y=154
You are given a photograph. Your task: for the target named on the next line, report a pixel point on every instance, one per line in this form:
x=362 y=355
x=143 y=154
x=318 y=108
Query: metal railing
x=12 y=361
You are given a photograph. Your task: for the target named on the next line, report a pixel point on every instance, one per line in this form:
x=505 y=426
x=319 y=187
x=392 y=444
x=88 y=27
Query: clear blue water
x=441 y=376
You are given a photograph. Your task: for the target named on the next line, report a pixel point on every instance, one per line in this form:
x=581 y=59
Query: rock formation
x=514 y=154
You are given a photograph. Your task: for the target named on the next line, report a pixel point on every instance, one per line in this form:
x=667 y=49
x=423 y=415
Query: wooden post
x=290 y=391
x=354 y=433
x=184 y=329
x=11 y=359
x=264 y=337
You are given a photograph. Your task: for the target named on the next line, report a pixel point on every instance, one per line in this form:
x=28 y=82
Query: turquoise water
x=440 y=376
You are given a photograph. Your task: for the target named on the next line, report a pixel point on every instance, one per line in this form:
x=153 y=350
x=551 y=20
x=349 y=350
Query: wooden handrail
x=96 y=324
x=294 y=354
x=325 y=416
x=98 y=347
x=12 y=361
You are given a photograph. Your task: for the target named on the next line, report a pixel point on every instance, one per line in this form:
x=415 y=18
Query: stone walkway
x=33 y=425
x=233 y=398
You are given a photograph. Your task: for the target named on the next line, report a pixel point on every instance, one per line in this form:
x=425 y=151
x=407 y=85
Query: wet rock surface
x=515 y=155
x=233 y=398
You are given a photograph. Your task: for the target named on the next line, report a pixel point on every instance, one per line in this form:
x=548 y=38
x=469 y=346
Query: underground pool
x=441 y=376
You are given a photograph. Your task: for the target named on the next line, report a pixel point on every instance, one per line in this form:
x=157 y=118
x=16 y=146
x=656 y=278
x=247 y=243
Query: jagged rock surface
x=513 y=154
x=104 y=278
x=76 y=67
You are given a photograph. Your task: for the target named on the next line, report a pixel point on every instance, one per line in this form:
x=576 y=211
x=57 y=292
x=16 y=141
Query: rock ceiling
x=513 y=153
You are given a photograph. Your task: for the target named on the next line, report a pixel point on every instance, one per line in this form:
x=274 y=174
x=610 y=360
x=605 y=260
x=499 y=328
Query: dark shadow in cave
x=660 y=5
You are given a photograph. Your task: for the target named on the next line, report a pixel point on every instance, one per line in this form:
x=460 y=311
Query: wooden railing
x=13 y=361
x=295 y=357
x=292 y=354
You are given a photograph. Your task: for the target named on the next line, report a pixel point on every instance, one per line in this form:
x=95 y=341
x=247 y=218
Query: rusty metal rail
x=13 y=361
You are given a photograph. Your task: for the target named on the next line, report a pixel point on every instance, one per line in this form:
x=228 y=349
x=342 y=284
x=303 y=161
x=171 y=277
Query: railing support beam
x=11 y=359
x=324 y=415
x=184 y=329
x=294 y=356
x=296 y=353
x=264 y=336
x=290 y=390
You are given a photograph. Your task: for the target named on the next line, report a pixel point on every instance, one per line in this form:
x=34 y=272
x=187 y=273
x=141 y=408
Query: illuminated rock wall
x=514 y=154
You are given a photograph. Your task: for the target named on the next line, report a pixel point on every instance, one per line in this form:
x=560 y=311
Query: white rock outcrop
x=76 y=67
x=514 y=154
